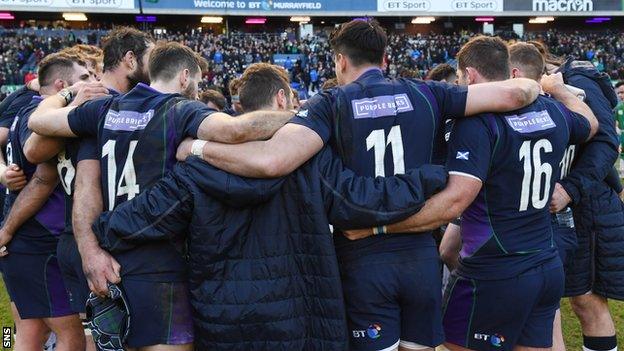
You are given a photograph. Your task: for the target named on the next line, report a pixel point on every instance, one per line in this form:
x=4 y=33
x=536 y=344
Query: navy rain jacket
x=598 y=210
x=263 y=269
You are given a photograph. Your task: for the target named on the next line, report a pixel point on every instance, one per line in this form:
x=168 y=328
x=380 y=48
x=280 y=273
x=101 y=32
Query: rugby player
x=379 y=127
x=595 y=270
x=527 y=62
x=297 y=301
x=137 y=150
x=124 y=61
x=32 y=225
x=503 y=168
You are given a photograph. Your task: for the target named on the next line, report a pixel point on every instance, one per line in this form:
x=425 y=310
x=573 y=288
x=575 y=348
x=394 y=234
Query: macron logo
x=463 y=155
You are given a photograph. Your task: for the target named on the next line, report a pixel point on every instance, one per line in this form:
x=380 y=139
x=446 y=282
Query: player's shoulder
x=184 y=107
x=104 y=100
x=550 y=104
x=323 y=98
x=28 y=108
x=478 y=124
x=24 y=94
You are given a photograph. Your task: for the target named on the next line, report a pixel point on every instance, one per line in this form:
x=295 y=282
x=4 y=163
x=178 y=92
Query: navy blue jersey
x=75 y=151
x=507 y=229
x=13 y=103
x=382 y=127
x=137 y=138
x=40 y=233
x=9 y=108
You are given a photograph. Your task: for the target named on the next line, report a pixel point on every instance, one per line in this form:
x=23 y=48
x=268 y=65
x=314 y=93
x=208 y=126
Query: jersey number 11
x=377 y=141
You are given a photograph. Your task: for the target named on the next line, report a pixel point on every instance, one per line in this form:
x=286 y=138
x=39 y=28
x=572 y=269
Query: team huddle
x=167 y=224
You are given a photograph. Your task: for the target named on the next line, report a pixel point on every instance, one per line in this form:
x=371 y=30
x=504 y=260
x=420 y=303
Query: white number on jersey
x=70 y=172
x=377 y=141
x=128 y=175
x=535 y=172
x=9 y=153
x=566 y=162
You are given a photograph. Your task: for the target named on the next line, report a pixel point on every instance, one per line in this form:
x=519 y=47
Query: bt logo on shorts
x=496 y=339
x=373 y=332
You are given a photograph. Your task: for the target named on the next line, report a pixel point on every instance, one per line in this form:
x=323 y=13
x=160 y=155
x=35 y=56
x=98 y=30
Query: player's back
x=133 y=138
x=385 y=127
x=138 y=135
x=507 y=229
x=39 y=233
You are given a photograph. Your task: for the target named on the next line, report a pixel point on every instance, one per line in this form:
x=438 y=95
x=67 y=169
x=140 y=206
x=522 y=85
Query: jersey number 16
x=537 y=175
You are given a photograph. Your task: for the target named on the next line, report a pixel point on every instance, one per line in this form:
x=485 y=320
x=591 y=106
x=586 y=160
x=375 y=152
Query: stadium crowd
x=228 y=56
x=169 y=221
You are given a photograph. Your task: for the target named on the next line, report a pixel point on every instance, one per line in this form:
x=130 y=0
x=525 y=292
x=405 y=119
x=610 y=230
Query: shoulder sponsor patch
x=531 y=122
x=381 y=106
x=128 y=121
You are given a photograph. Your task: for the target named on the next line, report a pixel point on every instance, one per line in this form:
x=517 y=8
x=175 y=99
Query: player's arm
x=230 y=189
x=51 y=118
x=353 y=201
x=257 y=125
x=99 y=266
x=439 y=210
x=29 y=201
x=289 y=148
x=162 y=212
x=468 y=163
x=553 y=84
x=443 y=207
x=597 y=157
x=503 y=96
x=456 y=101
x=38 y=148
x=451 y=246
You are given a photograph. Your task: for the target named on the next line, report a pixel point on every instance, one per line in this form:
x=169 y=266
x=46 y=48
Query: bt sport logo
x=373 y=332
x=496 y=340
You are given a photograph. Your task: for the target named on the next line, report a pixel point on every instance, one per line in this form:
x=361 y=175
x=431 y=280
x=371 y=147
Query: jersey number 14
x=537 y=175
x=128 y=175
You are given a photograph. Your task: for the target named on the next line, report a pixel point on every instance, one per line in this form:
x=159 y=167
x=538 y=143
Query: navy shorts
x=73 y=275
x=35 y=285
x=500 y=314
x=564 y=234
x=160 y=313
x=394 y=298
